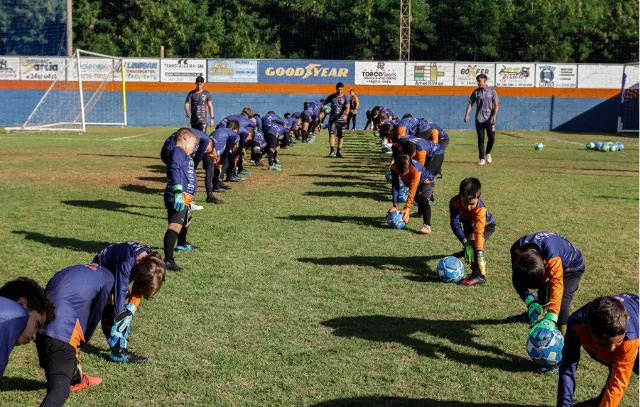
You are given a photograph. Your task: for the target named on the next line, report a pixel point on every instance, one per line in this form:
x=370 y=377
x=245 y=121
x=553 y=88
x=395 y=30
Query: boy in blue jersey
x=234 y=164
x=136 y=265
x=79 y=294
x=424 y=151
x=311 y=115
x=273 y=127
x=337 y=119
x=225 y=141
x=473 y=225
x=24 y=308
x=293 y=123
x=607 y=328
x=181 y=186
x=420 y=183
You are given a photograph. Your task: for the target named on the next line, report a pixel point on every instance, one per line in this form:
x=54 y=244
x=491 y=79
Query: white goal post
x=628 y=117
x=92 y=92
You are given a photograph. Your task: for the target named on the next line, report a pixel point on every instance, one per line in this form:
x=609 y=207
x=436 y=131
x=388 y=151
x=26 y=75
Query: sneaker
x=235 y=178
x=275 y=168
x=245 y=172
x=211 y=198
x=439 y=176
x=222 y=185
x=482 y=162
x=332 y=154
x=339 y=154
x=523 y=318
x=217 y=190
x=124 y=356
x=477 y=280
x=87 y=381
x=172 y=266
x=425 y=230
x=186 y=247
x=488 y=157
x=196 y=207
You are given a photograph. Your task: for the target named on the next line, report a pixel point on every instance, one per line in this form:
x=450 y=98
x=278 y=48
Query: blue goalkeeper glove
x=178 y=198
x=468 y=251
x=121 y=328
x=542 y=328
x=534 y=309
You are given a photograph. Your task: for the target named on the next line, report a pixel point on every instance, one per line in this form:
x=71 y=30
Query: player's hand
x=482 y=262
x=534 y=309
x=406 y=215
x=178 y=198
x=121 y=326
x=468 y=251
x=541 y=329
x=393 y=208
x=466 y=118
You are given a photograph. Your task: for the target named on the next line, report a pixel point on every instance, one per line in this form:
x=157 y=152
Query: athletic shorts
x=336 y=127
x=306 y=117
x=469 y=229
x=173 y=216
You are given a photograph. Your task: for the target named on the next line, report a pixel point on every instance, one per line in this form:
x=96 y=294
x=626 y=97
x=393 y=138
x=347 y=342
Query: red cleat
x=87 y=381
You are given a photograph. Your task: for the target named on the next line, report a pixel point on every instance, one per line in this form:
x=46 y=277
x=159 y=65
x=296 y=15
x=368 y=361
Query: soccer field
x=300 y=294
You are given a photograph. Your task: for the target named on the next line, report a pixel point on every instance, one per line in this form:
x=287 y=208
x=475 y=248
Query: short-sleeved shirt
x=338 y=105
x=484 y=100
x=13 y=321
x=198 y=102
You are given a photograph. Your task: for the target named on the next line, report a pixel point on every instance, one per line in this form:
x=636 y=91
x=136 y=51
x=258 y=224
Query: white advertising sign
x=466 y=72
x=9 y=68
x=140 y=70
x=42 y=68
x=182 y=70
x=600 y=76
x=556 y=75
x=92 y=69
x=224 y=70
x=430 y=73
x=379 y=73
x=515 y=75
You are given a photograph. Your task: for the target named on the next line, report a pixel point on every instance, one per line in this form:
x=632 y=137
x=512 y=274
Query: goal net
x=628 y=119
x=91 y=92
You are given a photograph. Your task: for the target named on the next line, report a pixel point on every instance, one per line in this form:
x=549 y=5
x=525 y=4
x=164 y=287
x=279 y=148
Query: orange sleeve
x=401 y=132
x=620 y=374
x=553 y=269
x=434 y=135
x=421 y=157
x=480 y=222
x=135 y=300
x=413 y=186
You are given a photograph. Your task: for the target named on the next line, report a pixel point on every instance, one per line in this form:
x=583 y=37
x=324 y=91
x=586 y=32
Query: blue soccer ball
x=598 y=146
x=394 y=220
x=450 y=269
x=403 y=195
x=548 y=351
x=620 y=146
x=388 y=176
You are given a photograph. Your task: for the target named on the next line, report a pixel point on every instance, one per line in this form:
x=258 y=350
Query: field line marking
x=137 y=135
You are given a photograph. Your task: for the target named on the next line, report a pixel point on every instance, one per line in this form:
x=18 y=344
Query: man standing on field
x=486 y=99
x=197 y=104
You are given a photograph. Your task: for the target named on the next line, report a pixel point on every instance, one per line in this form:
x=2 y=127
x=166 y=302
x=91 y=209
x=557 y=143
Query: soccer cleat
x=87 y=381
x=475 y=280
x=245 y=172
x=523 y=318
x=211 y=198
x=439 y=176
x=222 y=185
x=196 y=207
x=332 y=154
x=488 y=157
x=482 y=162
x=235 y=178
x=172 y=266
x=275 y=167
x=186 y=247
x=339 y=154
x=425 y=230
x=124 y=356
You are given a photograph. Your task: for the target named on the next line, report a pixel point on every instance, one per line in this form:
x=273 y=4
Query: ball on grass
x=538 y=146
x=591 y=146
x=450 y=269
x=548 y=351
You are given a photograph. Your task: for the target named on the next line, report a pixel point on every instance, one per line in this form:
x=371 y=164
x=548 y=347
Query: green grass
x=300 y=295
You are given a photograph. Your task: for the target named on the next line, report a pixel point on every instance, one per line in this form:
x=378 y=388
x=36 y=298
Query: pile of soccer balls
x=605 y=146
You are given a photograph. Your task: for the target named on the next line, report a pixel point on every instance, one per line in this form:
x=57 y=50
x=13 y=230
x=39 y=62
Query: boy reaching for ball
x=473 y=224
x=607 y=328
x=420 y=184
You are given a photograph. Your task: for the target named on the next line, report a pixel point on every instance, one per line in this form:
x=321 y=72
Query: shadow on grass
x=591 y=173
x=376 y=196
x=626 y=198
x=21 y=384
x=141 y=189
x=64 y=242
x=332 y=176
x=380 y=328
x=110 y=206
x=161 y=169
x=356 y=220
x=390 y=401
x=154 y=179
x=349 y=184
x=88 y=348
x=121 y=156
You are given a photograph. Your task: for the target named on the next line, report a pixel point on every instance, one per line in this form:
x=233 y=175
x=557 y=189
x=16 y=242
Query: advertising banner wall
x=42 y=68
x=139 y=70
x=182 y=70
x=305 y=71
x=430 y=73
x=556 y=75
x=466 y=72
x=225 y=70
x=515 y=75
x=9 y=68
x=600 y=76
x=93 y=69
x=379 y=73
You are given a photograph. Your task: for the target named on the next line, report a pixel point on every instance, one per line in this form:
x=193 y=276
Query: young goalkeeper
x=473 y=224
x=136 y=265
x=420 y=184
x=607 y=328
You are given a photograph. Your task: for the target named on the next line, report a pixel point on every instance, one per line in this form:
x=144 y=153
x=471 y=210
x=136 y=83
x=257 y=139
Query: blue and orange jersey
x=392 y=117
x=13 y=321
x=203 y=143
x=411 y=126
x=259 y=139
x=313 y=108
x=425 y=149
x=258 y=122
x=292 y=122
x=245 y=124
x=479 y=217
x=180 y=171
x=413 y=179
x=224 y=140
x=438 y=135
x=620 y=361
x=559 y=255
x=120 y=259
x=272 y=118
x=79 y=294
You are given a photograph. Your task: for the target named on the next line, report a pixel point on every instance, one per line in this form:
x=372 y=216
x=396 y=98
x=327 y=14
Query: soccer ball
x=394 y=220
x=326 y=109
x=605 y=147
x=598 y=146
x=591 y=146
x=403 y=195
x=614 y=148
x=450 y=269
x=538 y=146
x=388 y=176
x=620 y=146
x=548 y=351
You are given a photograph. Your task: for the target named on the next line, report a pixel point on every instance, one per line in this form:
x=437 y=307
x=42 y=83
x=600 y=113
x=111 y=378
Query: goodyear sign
x=305 y=71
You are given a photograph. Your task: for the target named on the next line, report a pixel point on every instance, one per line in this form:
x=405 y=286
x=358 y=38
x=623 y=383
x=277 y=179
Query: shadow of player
x=112 y=206
x=69 y=243
x=389 y=401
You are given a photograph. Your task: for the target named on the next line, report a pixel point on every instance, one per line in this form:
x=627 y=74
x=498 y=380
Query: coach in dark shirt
x=197 y=105
x=487 y=102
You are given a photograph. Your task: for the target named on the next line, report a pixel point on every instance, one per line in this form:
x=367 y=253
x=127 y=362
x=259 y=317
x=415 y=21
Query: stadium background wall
x=161 y=104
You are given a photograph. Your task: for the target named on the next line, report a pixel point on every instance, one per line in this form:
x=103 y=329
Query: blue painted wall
x=526 y=113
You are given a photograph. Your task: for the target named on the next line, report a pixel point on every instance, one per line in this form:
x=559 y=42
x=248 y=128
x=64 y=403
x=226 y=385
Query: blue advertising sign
x=305 y=71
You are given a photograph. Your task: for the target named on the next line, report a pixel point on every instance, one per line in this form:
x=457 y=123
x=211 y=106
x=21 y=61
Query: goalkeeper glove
x=534 y=309
x=542 y=328
x=468 y=251
x=482 y=263
x=406 y=214
x=121 y=328
x=178 y=198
